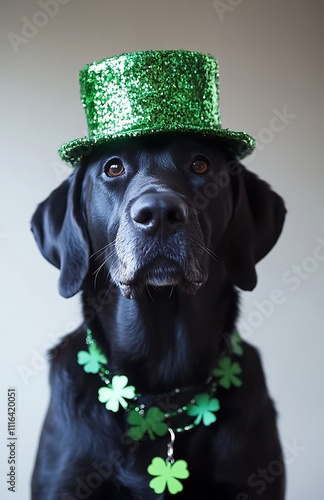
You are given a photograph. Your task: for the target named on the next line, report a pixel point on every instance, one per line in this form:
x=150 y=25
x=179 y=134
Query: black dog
x=174 y=224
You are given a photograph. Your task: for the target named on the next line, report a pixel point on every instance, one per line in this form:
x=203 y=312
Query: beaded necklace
x=148 y=420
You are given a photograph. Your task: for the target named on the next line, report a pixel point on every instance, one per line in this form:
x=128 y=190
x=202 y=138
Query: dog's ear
x=257 y=222
x=61 y=236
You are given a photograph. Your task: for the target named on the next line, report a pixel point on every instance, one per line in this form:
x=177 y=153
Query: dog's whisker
x=110 y=255
x=97 y=271
x=149 y=293
x=209 y=252
x=109 y=285
x=101 y=250
x=101 y=254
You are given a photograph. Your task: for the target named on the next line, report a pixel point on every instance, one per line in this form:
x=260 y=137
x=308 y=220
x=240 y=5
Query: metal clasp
x=170 y=458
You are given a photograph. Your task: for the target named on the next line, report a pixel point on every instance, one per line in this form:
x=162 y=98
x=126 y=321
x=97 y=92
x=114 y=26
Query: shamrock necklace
x=150 y=420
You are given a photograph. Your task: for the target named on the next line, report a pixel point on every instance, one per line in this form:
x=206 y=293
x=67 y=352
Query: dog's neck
x=165 y=339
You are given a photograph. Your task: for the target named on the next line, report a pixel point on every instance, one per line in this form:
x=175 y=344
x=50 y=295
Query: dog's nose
x=159 y=213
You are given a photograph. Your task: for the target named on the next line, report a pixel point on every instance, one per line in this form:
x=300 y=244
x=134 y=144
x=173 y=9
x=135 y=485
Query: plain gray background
x=271 y=66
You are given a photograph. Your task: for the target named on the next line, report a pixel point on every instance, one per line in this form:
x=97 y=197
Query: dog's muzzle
x=159 y=243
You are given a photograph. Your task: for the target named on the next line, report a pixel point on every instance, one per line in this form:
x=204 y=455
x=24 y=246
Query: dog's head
x=157 y=211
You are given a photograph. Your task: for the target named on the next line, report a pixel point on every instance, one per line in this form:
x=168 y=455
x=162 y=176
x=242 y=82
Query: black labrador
x=157 y=233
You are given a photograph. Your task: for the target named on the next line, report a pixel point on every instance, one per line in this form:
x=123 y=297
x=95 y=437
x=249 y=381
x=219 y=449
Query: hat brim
x=239 y=144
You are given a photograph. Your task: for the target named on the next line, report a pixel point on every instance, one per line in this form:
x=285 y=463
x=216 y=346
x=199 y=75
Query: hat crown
x=152 y=92
x=141 y=91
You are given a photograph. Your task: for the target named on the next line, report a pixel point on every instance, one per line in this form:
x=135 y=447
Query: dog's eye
x=199 y=166
x=114 y=169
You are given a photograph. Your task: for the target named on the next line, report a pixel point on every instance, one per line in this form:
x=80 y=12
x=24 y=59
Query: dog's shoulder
x=249 y=394
x=63 y=356
x=251 y=365
x=74 y=405
x=254 y=383
x=71 y=386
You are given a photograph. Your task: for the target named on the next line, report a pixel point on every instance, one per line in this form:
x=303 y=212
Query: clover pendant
x=227 y=372
x=203 y=409
x=116 y=394
x=92 y=360
x=167 y=475
x=151 y=424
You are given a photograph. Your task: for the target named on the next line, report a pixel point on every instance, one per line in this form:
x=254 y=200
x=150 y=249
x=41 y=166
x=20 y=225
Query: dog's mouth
x=162 y=274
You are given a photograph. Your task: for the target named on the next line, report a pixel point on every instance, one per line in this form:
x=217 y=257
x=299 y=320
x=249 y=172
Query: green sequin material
x=152 y=92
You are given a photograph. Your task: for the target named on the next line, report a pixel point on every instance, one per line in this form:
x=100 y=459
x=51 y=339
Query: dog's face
x=149 y=229
x=154 y=212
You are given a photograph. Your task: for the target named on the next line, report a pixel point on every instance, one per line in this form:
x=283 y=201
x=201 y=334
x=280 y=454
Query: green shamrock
x=167 y=475
x=236 y=344
x=227 y=372
x=91 y=359
x=202 y=409
x=114 y=395
x=152 y=423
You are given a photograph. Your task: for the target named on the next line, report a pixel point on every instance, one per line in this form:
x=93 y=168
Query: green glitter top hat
x=152 y=92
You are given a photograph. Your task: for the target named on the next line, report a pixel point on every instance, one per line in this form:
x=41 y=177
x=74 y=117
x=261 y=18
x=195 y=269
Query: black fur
x=158 y=253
